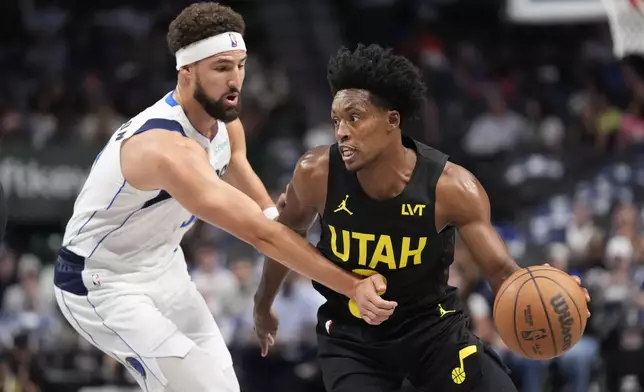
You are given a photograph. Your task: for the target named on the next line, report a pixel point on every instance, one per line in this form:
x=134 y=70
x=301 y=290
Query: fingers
x=379 y=283
x=587 y=295
x=578 y=280
x=368 y=316
x=377 y=308
x=266 y=341
x=264 y=344
x=373 y=309
x=372 y=319
x=379 y=303
x=281 y=201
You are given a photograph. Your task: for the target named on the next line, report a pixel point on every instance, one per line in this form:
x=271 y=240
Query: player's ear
x=393 y=118
x=187 y=70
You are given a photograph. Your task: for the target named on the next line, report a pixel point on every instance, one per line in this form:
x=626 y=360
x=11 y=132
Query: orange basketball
x=540 y=312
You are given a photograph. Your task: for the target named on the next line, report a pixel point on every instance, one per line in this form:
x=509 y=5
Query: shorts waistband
x=68 y=272
x=71 y=257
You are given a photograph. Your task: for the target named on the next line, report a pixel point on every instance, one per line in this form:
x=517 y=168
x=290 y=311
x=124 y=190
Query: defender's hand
x=373 y=309
x=266 y=323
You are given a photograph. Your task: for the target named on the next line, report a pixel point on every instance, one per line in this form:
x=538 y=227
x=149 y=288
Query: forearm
x=244 y=178
x=273 y=275
x=294 y=252
x=500 y=273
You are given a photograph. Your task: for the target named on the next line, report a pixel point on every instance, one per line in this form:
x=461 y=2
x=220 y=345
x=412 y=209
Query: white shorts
x=137 y=329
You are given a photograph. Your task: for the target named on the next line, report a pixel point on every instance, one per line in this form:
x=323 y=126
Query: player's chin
x=230 y=114
x=353 y=165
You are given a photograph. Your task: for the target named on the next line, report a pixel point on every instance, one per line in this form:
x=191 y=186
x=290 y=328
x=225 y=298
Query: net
x=626 y=19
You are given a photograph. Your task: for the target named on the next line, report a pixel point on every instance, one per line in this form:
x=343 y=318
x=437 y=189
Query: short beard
x=216 y=109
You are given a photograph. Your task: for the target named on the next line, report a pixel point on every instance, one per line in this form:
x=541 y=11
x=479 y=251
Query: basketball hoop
x=626 y=19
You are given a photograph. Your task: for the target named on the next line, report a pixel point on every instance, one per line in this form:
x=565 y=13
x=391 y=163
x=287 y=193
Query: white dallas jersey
x=128 y=235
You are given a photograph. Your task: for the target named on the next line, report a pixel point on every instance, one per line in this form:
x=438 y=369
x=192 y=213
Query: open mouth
x=347 y=152
x=231 y=99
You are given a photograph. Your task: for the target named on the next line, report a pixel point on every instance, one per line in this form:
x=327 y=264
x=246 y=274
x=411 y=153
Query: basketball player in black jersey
x=390 y=205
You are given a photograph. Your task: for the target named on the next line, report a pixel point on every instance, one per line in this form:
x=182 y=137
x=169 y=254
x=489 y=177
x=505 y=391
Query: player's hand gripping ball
x=541 y=312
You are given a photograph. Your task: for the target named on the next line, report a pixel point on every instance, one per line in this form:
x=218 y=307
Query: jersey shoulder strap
x=434 y=160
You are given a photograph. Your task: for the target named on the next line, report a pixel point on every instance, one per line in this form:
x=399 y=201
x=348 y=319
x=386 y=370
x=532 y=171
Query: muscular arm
x=298 y=212
x=240 y=174
x=462 y=202
x=159 y=159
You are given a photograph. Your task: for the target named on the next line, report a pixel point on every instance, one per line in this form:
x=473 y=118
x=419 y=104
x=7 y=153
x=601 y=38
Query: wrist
x=353 y=288
x=271 y=212
x=261 y=302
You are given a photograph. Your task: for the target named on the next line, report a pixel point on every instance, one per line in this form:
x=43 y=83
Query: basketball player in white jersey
x=121 y=277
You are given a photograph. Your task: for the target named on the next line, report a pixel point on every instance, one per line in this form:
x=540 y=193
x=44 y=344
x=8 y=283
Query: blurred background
x=525 y=93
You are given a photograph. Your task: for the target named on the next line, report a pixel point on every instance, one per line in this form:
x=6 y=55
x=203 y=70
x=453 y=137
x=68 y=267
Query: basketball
x=540 y=312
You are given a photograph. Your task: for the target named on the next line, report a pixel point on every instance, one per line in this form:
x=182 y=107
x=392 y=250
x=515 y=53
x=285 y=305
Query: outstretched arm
x=240 y=174
x=297 y=211
x=158 y=159
x=463 y=203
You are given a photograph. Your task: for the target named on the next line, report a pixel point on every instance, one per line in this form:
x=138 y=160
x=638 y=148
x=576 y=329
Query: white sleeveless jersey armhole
x=128 y=234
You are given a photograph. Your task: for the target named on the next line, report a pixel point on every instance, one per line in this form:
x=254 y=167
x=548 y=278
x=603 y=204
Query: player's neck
x=388 y=176
x=200 y=120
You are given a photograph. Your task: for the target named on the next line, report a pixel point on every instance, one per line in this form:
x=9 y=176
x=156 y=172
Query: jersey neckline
x=409 y=143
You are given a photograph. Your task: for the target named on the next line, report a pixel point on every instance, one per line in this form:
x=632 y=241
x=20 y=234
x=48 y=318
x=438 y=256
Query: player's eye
x=241 y=66
x=335 y=121
x=355 y=117
x=221 y=69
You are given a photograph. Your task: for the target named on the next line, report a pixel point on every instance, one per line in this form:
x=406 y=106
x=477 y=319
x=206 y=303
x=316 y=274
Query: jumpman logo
x=343 y=206
x=444 y=312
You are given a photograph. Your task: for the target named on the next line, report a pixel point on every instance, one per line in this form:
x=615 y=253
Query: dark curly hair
x=393 y=82
x=202 y=20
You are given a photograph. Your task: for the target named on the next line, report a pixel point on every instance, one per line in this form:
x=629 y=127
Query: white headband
x=210 y=46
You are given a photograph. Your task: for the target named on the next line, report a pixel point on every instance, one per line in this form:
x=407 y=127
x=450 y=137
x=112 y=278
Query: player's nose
x=235 y=81
x=341 y=132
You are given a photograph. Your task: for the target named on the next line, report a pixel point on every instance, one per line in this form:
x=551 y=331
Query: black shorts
x=437 y=356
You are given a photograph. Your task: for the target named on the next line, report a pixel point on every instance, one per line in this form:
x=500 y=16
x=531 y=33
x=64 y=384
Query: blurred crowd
x=544 y=116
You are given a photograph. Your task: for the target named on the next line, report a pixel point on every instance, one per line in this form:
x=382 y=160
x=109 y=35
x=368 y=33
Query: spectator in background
x=7 y=270
x=601 y=121
x=625 y=222
x=24 y=298
x=580 y=231
x=238 y=300
x=618 y=285
x=13 y=126
x=98 y=126
x=25 y=365
x=496 y=131
x=214 y=281
x=8 y=380
x=632 y=124
x=243 y=270
x=545 y=125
